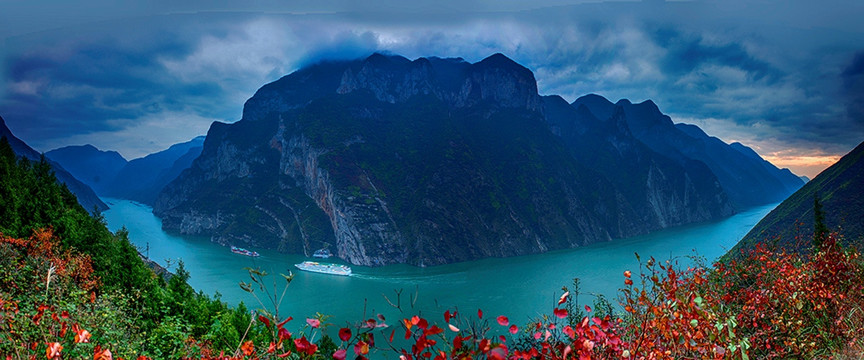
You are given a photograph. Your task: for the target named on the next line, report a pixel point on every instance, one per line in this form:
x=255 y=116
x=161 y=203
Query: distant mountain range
x=92 y=166
x=140 y=179
x=746 y=178
x=86 y=196
x=840 y=189
x=432 y=161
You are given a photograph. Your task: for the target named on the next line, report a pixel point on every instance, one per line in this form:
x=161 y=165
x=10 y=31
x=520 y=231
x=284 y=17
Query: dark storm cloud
x=102 y=81
x=771 y=74
x=687 y=52
x=853 y=88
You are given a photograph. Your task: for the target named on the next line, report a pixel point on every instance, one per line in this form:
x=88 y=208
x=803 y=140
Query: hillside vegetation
x=838 y=188
x=72 y=289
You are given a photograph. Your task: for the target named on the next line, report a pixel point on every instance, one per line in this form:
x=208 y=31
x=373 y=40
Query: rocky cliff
x=386 y=160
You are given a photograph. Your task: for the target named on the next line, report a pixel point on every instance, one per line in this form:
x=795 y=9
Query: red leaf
x=434 y=330
x=561 y=313
x=284 y=334
x=503 y=321
x=339 y=354
x=457 y=343
x=99 y=354
x=82 y=336
x=345 y=334
x=248 y=348
x=304 y=346
x=361 y=348
x=282 y=323
x=569 y=331
x=264 y=320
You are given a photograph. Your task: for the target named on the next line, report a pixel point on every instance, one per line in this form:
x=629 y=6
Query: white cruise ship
x=333 y=269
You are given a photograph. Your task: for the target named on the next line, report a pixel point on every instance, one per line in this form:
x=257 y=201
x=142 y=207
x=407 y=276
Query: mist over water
x=521 y=288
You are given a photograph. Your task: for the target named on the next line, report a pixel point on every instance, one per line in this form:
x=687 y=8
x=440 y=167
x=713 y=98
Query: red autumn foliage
x=765 y=304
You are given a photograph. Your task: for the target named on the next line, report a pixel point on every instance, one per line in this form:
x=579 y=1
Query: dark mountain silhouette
x=746 y=178
x=142 y=179
x=94 y=167
x=86 y=197
x=839 y=189
x=428 y=162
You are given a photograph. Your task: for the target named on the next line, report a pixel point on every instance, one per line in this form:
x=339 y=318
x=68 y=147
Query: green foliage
x=135 y=310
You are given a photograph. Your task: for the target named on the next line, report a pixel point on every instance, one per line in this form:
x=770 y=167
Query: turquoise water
x=522 y=287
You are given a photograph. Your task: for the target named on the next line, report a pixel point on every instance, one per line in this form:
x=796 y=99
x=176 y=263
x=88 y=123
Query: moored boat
x=322 y=253
x=324 y=268
x=243 y=251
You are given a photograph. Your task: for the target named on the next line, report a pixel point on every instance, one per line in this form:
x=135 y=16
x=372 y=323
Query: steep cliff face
x=386 y=160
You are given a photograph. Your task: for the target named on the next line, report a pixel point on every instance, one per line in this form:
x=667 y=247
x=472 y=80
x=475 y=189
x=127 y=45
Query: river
x=521 y=287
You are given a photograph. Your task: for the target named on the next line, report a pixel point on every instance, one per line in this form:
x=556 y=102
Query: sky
x=785 y=77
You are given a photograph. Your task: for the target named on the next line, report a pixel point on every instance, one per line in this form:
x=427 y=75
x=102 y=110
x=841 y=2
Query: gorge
x=432 y=161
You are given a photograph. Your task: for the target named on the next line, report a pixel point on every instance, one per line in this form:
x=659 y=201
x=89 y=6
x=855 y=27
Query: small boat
x=243 y=251
x=322 y=254
x=333 y=269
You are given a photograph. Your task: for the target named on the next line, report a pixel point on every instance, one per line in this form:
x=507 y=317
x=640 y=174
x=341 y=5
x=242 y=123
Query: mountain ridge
x=790 y=225
x=86 y=196
x=94 y=167
x=748 y=179
x=430 y=161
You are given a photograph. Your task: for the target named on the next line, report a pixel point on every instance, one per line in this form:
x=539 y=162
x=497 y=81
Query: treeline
x=69 y=288
x=159 y=317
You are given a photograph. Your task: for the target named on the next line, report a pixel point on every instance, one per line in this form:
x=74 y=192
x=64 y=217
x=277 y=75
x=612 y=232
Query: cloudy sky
x=785 y=77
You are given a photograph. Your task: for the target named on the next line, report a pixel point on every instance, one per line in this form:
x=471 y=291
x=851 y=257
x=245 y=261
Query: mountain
x=142 y=179
x=92 y=166
x=431 y=161
x=746 y=178
x=86 y=197
x=839 y=190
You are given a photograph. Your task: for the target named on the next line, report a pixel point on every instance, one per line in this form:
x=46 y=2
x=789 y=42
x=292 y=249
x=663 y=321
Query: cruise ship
x=243 y=251
x=333 y=269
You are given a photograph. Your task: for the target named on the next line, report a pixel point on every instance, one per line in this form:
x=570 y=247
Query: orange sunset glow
x=806 y=165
